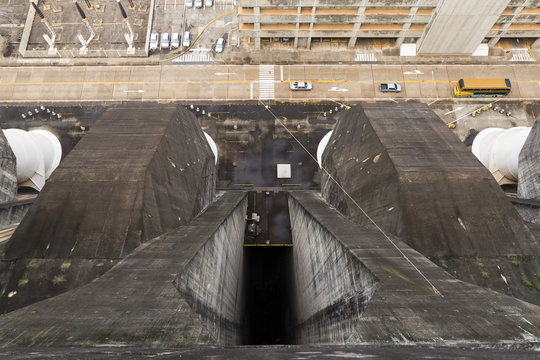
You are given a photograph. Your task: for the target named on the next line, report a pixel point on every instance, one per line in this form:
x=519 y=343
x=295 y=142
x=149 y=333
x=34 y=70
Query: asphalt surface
x=170 y=83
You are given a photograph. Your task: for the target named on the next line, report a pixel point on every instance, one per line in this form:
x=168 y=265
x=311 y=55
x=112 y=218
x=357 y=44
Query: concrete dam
x=200 y=266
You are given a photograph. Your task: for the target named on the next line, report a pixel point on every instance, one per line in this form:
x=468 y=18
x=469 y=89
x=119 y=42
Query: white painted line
x=452 y=111
x=281 y=72
x=251 y=90
x=338 y=89
x=137 y=91
x=221 y=74
x=415 y=72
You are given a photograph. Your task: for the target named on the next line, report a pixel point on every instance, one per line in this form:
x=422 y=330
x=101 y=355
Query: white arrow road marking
x=338 y=89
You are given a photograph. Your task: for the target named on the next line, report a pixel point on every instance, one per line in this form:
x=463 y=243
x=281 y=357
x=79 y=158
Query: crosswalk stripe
x=194 y=57
x=266 y=82
x=365 y=57
x=521 y=55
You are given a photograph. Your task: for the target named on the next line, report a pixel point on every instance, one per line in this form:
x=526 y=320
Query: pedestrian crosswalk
x=266 y=82
x=195 y=56
x=365 y=57
x=521 y=55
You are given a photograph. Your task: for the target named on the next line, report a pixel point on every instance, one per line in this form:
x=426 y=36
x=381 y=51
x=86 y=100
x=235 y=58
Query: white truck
x=390 y=87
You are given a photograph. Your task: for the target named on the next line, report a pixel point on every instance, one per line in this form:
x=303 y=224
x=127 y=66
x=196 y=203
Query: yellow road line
x=291 y=184
x=74 y=83
x=243 y=184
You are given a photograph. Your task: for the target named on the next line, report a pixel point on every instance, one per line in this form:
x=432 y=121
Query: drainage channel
x=268 y=272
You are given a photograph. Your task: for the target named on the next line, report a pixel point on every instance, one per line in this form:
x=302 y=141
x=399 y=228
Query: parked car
x=154 y=41
x=301 y=85
x=198 y=4
x=220 y=45
x=188 y=3
x=208 y=3
x=175 y=40
x=165 y=40
x=390 y=87
x=186 y=39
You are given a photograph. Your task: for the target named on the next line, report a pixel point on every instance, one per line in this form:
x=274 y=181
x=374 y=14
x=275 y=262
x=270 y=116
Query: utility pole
x=51 y=40
x=129 y=37
x=84 y=49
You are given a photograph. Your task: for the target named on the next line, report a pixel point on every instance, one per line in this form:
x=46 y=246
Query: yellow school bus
x=482 y=87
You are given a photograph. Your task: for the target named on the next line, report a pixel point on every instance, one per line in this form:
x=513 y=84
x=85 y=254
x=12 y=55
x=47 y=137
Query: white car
x=188 y=3
x=208 y=3
x=165 y=41
x=198 y=4
x=220 y=45
x=301 y=85
x=175 y=40
x=154 y=41
x=186 y=39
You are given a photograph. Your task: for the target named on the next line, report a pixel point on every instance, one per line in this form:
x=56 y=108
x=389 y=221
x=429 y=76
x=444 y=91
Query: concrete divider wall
x=212 y=280
x=333 y=287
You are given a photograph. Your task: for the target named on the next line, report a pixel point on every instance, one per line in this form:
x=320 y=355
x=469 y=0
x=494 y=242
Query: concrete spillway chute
x=213 y=146
x=498 y=150
x=322 y=146
x=38 y=154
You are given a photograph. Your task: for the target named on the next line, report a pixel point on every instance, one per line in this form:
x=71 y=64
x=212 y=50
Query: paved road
x=249 y=82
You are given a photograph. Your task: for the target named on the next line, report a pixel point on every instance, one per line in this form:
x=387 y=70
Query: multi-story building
x=435 y=26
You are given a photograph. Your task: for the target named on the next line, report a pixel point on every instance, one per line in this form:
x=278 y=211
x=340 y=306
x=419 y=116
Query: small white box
x=284 y=171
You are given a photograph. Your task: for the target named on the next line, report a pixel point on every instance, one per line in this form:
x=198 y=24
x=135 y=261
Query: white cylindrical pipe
x=498 y=149
x=37 y=152
x=506 y=151
x=322 y=145
x=51 y=149
x=213 y=146
x=483 y=144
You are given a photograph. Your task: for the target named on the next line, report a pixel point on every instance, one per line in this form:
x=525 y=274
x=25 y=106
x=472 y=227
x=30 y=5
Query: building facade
x=435 y=26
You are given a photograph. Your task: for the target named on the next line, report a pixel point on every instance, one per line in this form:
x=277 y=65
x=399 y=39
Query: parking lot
x=177 y=16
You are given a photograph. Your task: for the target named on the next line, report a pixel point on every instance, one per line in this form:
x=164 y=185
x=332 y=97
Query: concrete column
x=517 y=11
x=257 y=26
x=357 y=24
x=298 y=14
x=407 y=25
x=313 y=9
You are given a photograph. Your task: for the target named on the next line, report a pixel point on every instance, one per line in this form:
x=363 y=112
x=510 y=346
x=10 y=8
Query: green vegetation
x=485 y=275
x=515 y=263
x=58 y=279
x=481 y=265
x=525 y=280
x=444 y=266
x=100 y=264
x=22 y=282
x=65 y=266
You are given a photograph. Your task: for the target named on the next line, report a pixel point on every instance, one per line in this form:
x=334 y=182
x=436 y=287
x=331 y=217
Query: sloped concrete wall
x=458 y=27
x=142 y=170
x=416 y=180
x=212 y=281
x=529 y=166
x=8 y=171
x=333 y=287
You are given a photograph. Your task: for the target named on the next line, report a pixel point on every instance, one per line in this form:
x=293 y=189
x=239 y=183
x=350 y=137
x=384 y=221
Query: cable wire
x=435 y=290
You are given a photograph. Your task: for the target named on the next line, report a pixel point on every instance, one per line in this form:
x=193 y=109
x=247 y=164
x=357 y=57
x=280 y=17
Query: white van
x=186 y=39
x=165 y=40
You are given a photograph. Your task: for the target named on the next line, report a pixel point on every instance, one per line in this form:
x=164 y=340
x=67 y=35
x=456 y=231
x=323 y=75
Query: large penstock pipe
x=322 y=145
x=38 y=154
x=498 y=150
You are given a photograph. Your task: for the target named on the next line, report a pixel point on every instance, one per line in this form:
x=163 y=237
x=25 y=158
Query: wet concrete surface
x=271 y=224
x=283 y=353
